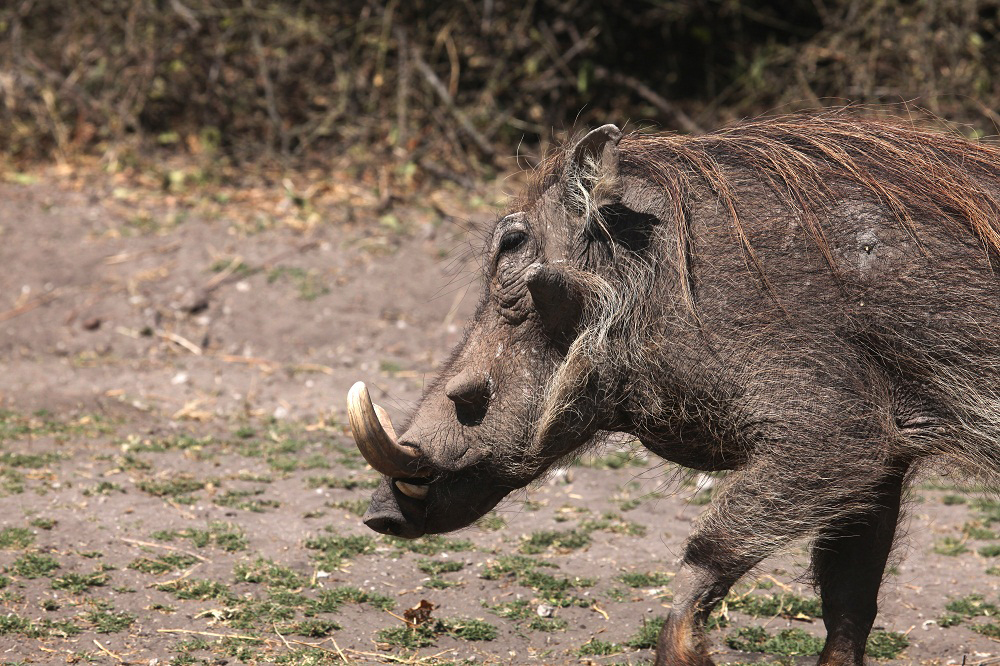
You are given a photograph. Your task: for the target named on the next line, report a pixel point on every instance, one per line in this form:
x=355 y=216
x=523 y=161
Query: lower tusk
x=413 y=490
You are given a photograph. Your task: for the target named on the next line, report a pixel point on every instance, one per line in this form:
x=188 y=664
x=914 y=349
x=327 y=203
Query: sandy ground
x=176 y=484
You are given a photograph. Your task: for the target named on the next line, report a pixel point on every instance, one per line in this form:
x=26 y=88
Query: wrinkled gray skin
x=809 y=387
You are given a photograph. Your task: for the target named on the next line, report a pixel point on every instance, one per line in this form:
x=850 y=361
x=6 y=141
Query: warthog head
x=524 y=388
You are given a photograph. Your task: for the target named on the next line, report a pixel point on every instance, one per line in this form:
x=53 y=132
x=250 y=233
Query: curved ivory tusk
x=376 y=439
x=412 y=490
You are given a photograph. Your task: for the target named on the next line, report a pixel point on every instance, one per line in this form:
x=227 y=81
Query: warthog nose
x=470 y=391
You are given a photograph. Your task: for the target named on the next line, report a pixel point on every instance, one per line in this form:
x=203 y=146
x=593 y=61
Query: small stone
x=545 y=610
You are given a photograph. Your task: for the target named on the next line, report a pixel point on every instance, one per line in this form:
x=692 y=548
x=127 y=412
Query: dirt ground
x=177 y=486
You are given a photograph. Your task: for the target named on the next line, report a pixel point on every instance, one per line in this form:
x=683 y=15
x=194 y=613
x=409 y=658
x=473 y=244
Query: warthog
x=811 y=302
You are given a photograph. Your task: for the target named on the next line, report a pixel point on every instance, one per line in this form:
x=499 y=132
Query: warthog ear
x=558 y=300
x=592 y=170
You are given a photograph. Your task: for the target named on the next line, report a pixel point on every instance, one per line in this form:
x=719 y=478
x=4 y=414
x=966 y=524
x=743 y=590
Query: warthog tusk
x=412 y=490
x=376 y=439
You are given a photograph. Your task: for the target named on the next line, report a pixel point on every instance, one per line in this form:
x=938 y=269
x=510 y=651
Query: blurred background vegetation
x=452 y=89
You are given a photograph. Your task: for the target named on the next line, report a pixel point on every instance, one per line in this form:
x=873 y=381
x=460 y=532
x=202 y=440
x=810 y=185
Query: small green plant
x=43 y=523
x=425 y=635
x=775 y=605
x=598 y=648
x=175 y=487
x=646 y=637
x=539 y=542
x=355 y=506
x=197 y=589
x=163 y=563
x=222 y=535
x=76 y=583
x=886 y=644
x=990 y=550
x=34 y=565
x=950 y=546
x=16 y=538
x=105 y=622
x=432 y=544
x=435 y=567
x=313 y=628
x=961 y=609
x=329 y=601
x=335 y=549
x=245 y=500
x=268 y=572
x=788 y=642
x=336 y=482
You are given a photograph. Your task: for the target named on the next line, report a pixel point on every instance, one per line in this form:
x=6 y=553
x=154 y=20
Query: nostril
x=470 y=391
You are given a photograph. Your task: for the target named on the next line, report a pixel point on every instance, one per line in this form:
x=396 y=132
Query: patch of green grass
x=774 y=605
x=244 y=500
x=614 y=523
x=103 y=488
x=598 y=648
x=76 y=583
x=105 y=622
x=329 y=601
x=554 y=590
x=989 y=510
x=491 y=522
x=788 y=642
x=641 y=579
x=952 y=500
x=513 y=610
x=543 y=540
x=173 y=488
x=426 y=634
x=11 y=482
x=268 y=572
x=961 y=609
x=886 y=644
x=226 y=536
x=990 y=550
x=313 y=628
x=34 y=565
x=408 y=637
x=515 y=566
x=16 y=538
x=356 y=506
x=950 y=546
x=990 y=630
x=976 y=531
x=308 y=283
x=350 y=483
x=163 y=563
x=435 y=567
x=547 y=624
x=199 y=589
x=645 y=638
x=29 y=460
x=432 y=544
x=44 y=523
x=336 y=549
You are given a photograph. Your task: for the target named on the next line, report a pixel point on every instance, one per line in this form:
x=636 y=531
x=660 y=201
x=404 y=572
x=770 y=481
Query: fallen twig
x=30 y=305
x=149 y=544
x=211 y=633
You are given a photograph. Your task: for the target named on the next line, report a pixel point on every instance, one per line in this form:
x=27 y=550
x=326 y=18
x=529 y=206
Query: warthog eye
x=512 y=240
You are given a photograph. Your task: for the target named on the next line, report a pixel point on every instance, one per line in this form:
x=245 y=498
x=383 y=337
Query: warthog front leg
x=848 y=561
x=761 y=509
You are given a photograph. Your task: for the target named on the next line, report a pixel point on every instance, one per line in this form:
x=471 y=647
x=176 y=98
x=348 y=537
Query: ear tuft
x=592 y=171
